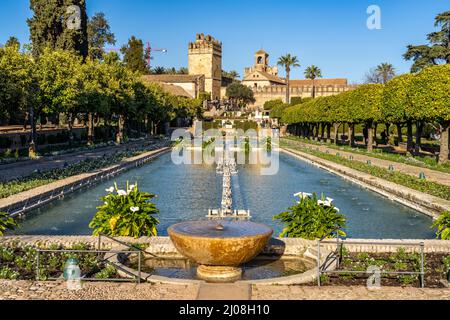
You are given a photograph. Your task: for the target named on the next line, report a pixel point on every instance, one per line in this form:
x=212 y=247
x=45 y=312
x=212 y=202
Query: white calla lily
x=122 y=192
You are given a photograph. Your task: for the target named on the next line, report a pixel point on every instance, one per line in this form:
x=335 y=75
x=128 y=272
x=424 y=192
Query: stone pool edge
x=277 y=246
x=424 y=203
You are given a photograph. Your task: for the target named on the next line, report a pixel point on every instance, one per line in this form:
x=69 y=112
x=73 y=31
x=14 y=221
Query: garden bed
x=20 y=262
x=436 y=266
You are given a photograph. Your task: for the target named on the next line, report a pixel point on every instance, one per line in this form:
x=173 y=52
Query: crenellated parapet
x=300 y=89
x=203 y=42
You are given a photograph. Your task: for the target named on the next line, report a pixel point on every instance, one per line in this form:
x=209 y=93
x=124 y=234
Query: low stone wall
x=285 y=246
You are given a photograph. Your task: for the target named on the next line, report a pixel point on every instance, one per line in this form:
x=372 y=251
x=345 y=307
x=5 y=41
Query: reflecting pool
x=186 y=192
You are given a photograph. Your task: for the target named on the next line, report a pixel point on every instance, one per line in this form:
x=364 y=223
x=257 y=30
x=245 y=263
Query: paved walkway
x=347 y=293
x=431 y=175
x=25 y=168
x=31 y=290
x=226 y=292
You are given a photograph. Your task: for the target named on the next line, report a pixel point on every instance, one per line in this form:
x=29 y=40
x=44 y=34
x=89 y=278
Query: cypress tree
x=51 y=26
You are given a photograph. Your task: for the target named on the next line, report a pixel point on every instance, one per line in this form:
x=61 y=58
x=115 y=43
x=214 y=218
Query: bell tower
x=261 y=60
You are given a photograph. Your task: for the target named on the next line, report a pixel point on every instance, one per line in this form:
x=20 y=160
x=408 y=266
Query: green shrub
x=6 y=223
x=108 y=272
x=310 y=220
x=269 y=105
x=443 y=226
x=126 y=213
x=8 y=274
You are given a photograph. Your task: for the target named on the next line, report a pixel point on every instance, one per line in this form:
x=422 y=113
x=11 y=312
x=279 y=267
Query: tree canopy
x=49 y=30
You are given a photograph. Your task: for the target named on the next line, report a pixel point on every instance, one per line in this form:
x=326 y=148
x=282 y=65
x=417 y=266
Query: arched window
x=260 y=60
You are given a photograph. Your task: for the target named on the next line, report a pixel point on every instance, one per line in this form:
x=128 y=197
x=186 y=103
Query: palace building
x=205 y=75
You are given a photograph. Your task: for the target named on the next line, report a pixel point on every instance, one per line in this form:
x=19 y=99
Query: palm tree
x=159 y=70
x=385 y=72
x=313 y=72
x=288 y=62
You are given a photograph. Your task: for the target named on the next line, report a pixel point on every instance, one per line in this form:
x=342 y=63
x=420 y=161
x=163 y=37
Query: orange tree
x=396 y=108
x=366 y=103
x=429 y=95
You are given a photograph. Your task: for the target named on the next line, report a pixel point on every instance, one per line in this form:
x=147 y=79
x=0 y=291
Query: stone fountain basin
x=237 y=243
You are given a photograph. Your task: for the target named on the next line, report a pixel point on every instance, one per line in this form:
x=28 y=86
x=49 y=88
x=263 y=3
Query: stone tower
x=205 y=58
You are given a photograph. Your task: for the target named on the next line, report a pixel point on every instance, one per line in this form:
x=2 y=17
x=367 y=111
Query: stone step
x=224 y=292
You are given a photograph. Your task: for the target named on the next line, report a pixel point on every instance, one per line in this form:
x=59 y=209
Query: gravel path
x=431 y=175
x=29 y=290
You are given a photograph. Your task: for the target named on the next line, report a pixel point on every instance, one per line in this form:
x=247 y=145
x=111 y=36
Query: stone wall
x=163 y=245
x=267 y=93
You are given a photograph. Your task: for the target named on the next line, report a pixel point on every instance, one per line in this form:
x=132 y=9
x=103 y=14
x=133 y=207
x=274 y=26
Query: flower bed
x=42 y=178
x=436 y=267
x=19 y=262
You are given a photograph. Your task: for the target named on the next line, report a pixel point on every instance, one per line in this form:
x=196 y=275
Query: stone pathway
x=431 y=175
x=31 y=290
x=17 y=170
x=227 y=292
x=346 y=293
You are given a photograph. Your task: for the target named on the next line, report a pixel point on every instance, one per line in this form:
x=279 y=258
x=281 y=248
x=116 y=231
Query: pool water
x=257 y=269
x=186 y=192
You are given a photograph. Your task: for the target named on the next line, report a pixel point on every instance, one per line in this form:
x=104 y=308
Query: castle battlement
x=205 y=42
x=302 y=89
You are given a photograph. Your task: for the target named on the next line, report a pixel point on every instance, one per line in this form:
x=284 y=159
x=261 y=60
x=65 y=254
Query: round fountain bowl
x=220 y=247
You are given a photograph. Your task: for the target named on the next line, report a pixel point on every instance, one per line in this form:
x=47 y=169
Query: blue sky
x=331 y=34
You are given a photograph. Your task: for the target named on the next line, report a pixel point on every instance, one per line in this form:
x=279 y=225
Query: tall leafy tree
x=438 y=49
x=240 y=94
x=93 y=98
x=18 y=87
x=51 y=26
x=366 y=108
x=429 y=96
x=99 y=34
x=396 y=108
x=120 y=92
x=313 y=72
x=13 y=42
x=288 y=62
x=58 y=74
x=134 y=55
